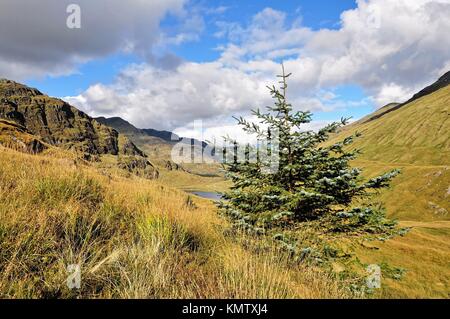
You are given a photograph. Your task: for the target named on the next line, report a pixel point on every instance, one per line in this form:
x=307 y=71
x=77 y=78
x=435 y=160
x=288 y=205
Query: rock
x=139 y=166
x=15 y=136
x=35 y=146
x=171 y=166
x=56 y=122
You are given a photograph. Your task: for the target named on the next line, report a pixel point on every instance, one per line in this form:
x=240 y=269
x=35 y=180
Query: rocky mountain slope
x=33 y=122
x=159 y=146
x=57 y=123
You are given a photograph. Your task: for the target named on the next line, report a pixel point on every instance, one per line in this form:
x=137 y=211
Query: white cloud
x=35 y=40
x=392 y=92
x=389 y=48
x=381 y=41
x=152 y=97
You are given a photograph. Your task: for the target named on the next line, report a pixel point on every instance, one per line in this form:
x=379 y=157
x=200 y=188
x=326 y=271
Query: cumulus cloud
x=36 y=41
x=152 y=97
x=384 y=42
x=400 y=43
x=389 y=48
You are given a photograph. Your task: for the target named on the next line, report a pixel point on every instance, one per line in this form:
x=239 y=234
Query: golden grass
x=418 y=133
x=191 y=182
x=133 y=238
x=424 y=253
x=414 y=138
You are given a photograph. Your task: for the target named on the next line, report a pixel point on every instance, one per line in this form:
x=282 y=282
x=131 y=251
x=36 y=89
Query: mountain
x=416 y=133
x=414 y=137
x=149 y=136
x=152 y=136
x=159 y=145
x=57 y=123
x=442 y=82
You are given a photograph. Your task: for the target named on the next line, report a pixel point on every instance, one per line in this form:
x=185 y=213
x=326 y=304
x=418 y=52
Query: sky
x=164 y=64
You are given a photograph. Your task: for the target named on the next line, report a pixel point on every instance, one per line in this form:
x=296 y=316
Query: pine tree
x=314 y=189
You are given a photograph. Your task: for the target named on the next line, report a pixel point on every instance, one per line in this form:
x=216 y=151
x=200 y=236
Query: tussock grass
x=133 y=238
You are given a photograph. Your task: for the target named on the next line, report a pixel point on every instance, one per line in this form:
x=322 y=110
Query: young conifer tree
x=314 y=185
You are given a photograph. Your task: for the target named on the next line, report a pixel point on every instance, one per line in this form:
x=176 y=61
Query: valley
x=105 y=194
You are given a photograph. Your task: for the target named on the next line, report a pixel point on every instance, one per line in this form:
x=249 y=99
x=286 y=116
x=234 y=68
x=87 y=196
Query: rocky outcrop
x=172 y=166
x=58 y=123
x=138 y=166
x=15 y=136
x=32 y=122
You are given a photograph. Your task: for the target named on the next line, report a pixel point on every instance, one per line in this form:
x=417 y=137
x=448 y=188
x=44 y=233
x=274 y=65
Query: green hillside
x=415 y=138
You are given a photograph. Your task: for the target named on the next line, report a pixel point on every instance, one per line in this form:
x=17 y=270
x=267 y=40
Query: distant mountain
x=152 y=136
x=149 y=136
x=159 y=145
x=442 y=82
x=57 y=123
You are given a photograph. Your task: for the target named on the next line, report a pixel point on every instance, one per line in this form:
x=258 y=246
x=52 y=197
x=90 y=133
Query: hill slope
x=442 y=82
x=414 y=137
x=418 y=133
x=131 y=237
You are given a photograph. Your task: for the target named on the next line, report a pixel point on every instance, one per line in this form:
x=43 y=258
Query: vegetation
x=140 y=238
x=132 y=237
x=314 y=203
x=413 y=138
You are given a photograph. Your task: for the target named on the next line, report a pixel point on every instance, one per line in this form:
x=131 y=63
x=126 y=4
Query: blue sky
x=316 y=14
x=166 y=63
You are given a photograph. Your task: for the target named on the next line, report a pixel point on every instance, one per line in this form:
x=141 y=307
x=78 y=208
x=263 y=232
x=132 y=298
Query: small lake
x=208 y=195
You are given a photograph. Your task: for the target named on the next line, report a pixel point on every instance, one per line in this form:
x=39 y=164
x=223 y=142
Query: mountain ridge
x=442 y=82
x=126 y=128
x=58 y=123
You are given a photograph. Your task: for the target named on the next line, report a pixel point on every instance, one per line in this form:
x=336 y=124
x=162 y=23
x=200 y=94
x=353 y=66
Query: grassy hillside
x=136 y=237
x=416 y=139
x=418 y=133
x=133 y=237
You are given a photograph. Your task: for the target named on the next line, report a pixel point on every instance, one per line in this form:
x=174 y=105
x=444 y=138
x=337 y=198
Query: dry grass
x=415 y=139
x=133 y=238
x=191 y=182
x=424 y=253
